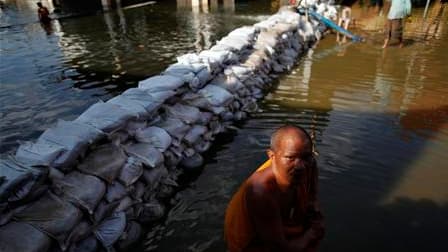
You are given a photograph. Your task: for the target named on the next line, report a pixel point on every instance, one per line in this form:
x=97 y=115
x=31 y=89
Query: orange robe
x=238 y=229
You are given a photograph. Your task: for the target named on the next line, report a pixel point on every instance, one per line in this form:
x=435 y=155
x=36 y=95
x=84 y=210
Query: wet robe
x=239 y=231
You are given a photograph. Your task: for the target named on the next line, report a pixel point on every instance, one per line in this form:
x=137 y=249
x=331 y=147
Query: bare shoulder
x=260 y=184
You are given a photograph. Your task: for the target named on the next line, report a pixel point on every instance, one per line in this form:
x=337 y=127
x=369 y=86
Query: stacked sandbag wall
x=90 y=184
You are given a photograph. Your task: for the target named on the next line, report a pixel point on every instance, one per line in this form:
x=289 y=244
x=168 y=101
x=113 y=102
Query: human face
x=290 y=158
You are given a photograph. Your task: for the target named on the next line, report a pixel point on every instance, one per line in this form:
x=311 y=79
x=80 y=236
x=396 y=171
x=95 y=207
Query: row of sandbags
x=90 y=184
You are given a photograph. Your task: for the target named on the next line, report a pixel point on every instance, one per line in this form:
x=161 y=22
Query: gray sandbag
x=205 y=118
x=191 y=164
x=134 y=108
x=17 y=181
x=174 y=126
x=73 y=137
x=57 y=223
x=229 y=83
x=133 y=126
x=202 y=146
x=137 y=191
x=89 y=244
x=147 y=153
x=161 y=83
x=195 y=133
x=131 y=171
x=79 y=233
x=83 y=190
x=125 y=203
x=150 y=102
x=216 y=96
x=115 y=191
x=118 y=137
x=20 y=236
x=36 y=154
x=151 y=212
x=153 y=177
x=130 y=236
x=187 y=114
x=155 y=136
x=107 y=117
x=110 y=230
x=103 y=210
x=171 y=159
x=104 y=162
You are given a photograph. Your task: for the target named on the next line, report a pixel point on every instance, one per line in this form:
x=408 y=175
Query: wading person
x=43 y=13
x=276 y=208
x=399 y=9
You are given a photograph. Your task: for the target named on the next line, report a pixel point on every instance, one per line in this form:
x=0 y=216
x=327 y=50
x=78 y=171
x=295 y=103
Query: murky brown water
x=380 y=118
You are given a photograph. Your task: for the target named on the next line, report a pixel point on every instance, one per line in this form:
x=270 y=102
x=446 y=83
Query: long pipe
x=426 y=9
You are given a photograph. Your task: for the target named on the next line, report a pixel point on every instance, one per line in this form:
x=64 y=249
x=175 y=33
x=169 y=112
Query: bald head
x=288 y=132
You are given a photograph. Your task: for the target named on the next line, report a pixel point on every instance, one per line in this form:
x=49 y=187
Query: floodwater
x=379 y=117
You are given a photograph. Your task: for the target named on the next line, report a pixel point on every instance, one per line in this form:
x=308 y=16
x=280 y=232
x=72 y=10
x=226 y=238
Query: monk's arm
x=266 y=217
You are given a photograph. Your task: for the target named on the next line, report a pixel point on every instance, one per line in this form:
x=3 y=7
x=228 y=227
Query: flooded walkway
x=380 y=118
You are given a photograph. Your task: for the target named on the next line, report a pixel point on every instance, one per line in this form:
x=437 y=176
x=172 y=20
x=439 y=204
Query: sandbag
x=36 y=154
x=107 y=117
x=20 y=236
x=17 y=180
x=134 y=108
x=216 y=96
x=131 y=171
x=155 y=136
x=149 y=155
x=111 y=229
x=104 y=162
x=195 y=133
x=146 y=99
x=153 y=177
x=187 y=114
x=175 y=127
x=90 y=244
x=73 y=137
x=79 y=233
x=103 y=210
x=130 y=236
x=57 y=223
x=190 y=164
x=151 y=212
x=83 y=190
x=161 y=83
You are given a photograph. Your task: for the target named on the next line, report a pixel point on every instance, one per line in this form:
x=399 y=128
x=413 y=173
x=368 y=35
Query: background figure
x=399 y=9
x=43 y=13
x=344 y=21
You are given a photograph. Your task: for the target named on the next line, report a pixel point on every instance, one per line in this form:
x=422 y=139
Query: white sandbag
x=216 y=96
x=73 y=137
x=147 y=153
x=36 y=154
x=155 y=136
x=217 y=57
x=107 y=117
x=174 y=126
x=17 y=181
x=161 y=83
x=104 y=162
x=57 y=223
x=131 y=171
x=188 y=58
x=134 y=108
x=110 y=230
x=150 y=98
x=195 y=133
x=135 y=125
x=83 y=190
x=20 y=236
x=187 y=114
x=115 y=191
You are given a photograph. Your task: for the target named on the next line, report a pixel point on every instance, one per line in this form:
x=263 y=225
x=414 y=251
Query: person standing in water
x=399 y=9
x=276 y=208
x=43 y=13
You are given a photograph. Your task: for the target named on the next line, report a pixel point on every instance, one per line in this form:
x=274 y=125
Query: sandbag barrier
x=90 y=184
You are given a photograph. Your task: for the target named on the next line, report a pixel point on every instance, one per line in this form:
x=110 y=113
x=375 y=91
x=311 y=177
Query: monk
x=43 y=13
x=276 y=208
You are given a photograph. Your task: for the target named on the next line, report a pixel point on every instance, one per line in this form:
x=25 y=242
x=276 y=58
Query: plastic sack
x=195 y=133
x=175 y=127
x=20 y=236
x=187 y=114
x=36 y=154
x=134 y=108
x=17 y=181
x=155 y=136
x=103 y=210
x=131 y=171
x=216 y=96
x=111 y=229
x=153 y=177
x=107 y=117
x=83 y=190
x=104 y=162
x=161 y=83
x=191 y=164
x=151 y=212
x=130 y=236
x=146 y=153
x=57 y=223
